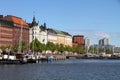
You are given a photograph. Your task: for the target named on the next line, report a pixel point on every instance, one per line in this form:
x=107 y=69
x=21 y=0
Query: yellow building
x=59 y=37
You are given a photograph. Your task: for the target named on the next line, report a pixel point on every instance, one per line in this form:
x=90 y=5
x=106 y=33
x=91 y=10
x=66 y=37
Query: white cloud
x=89 y=33
x=101 y=34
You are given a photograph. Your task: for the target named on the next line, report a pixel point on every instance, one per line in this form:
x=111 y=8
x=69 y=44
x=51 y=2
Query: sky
x=95 y=19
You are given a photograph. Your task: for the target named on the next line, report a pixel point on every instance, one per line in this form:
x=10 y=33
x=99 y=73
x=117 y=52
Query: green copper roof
x=58 y=32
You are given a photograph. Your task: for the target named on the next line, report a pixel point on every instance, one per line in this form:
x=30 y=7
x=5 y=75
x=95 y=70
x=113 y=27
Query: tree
x=61 y=48
x=68 y=48
x=23 y=47
x=79 y=49
x=42 y=47
x=5 y=47
x=50 y=46
x=57 y=47
x=35 y=45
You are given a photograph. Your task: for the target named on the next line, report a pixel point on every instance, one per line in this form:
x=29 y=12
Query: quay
x=45 y=58
x=29 y=58
x=15 y=58
x=59 y=57
x=51 y=58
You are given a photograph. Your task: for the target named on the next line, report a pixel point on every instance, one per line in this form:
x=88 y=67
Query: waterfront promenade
x=37 y=57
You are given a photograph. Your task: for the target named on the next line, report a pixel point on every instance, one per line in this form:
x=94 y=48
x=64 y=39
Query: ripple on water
x=72 y=69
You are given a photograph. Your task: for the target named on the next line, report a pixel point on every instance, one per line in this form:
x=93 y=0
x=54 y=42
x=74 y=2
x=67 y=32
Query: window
x=43 y=40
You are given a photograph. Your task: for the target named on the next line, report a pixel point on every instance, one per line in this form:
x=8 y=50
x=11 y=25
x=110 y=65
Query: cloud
x=116 y=35
x=101 y=34
x=97 y=34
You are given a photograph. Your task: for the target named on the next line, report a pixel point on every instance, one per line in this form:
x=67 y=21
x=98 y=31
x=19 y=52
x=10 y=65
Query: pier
x=51 y=58
x=43 y=58
x=40 y=58
x=59 y=57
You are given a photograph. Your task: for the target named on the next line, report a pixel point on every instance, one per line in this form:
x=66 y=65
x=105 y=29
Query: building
x=59 y=37
x=87 y=43
x=104 y=41
x=12 y=30
x=78 y=39
x=52 y=36
x=45 y=35
x=6 y=32
x=68 y=39
x=105 y=48
x=116 y=49
x=38 y=32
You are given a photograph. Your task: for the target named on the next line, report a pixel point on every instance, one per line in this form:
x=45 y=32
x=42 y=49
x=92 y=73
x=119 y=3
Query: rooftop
x=15 y=19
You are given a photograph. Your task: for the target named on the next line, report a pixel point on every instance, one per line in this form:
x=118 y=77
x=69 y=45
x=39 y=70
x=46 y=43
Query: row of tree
x=37 y=46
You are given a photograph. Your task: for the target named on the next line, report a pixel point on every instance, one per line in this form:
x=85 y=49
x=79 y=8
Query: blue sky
x=93 y=18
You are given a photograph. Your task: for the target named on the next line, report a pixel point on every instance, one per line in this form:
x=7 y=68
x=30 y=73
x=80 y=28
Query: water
x=73 y=69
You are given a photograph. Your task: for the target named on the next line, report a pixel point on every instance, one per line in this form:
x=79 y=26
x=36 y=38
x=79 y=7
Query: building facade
x=78 y=39
x=68 y=39
x=59 y=37
x=6 y=32
x=87 y=43
x=52 y=36
x=104 y=41
x=12 y=30
x=38 y=32
x=116 y=49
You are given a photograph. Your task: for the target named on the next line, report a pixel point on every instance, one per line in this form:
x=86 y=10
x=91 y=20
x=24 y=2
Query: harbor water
x=71 y=69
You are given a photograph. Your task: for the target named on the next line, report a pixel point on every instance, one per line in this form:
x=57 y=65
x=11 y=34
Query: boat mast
x=20 y=41
x=113 y=50
x=0 y=30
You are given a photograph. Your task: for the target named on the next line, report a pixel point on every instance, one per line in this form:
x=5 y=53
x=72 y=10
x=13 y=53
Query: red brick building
x=78 y=39
x=10 y=30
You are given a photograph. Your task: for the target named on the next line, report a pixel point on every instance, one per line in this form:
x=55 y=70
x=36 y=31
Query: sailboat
x=20 y=55
x=17 y=58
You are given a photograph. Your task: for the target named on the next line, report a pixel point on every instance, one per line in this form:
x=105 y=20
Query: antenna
x=33 y=13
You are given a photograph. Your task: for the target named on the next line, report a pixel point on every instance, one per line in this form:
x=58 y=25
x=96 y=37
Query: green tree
x=6 y=47
x=50 y=46
x=69 y=48
x=23 y=47
x=79 y=49
x=61 y=48
x=35 y=45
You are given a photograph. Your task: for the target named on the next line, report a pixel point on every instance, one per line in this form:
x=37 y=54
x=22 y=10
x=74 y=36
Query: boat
x=29 y=58
x=8 y=58
x=50 y=58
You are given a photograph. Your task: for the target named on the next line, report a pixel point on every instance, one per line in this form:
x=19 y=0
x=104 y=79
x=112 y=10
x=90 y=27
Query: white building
x=104 y=41
x=87 y=42
x=45 y=35
x=38 y=32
